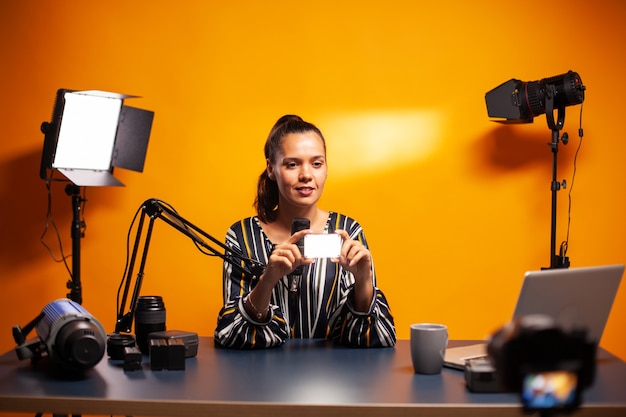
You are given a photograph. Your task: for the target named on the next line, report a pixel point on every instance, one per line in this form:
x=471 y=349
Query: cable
x=130 y=229
x=564 y=244
x=51 y=222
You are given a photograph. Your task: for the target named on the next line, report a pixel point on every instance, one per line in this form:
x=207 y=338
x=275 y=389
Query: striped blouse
x=321 y=308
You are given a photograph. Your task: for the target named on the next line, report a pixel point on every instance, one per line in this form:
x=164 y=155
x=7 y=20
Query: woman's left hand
x=355 y=257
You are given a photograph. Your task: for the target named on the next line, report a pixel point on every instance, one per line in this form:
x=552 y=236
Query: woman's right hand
x=285 y=258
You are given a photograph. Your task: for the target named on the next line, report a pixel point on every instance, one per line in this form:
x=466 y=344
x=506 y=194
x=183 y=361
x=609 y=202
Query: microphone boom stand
x=155 y=209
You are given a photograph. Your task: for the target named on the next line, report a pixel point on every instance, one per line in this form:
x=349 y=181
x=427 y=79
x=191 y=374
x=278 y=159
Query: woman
x=335 y=299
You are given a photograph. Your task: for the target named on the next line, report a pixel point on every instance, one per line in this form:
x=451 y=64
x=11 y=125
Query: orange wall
x=455 y=207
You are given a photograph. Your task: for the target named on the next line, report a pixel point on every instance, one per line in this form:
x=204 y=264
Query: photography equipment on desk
x=67 y=333
x=480 y=376
x=91 y=133
x=515 y=102
x=167 y=354
x=547 y=365
x=132 y=359
x=154 y=209
x=149 y=317
x=189 y=339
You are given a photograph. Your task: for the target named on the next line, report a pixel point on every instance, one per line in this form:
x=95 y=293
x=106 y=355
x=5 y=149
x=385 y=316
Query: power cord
x=50 y=222
x=564 y=244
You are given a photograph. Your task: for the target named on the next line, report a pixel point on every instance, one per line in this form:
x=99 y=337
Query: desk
x=302 y=378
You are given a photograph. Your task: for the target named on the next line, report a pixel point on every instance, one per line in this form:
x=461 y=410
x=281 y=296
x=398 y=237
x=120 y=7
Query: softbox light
x=91 y=133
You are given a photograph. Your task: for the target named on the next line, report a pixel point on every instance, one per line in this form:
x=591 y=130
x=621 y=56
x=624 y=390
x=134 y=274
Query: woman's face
x=300 y=169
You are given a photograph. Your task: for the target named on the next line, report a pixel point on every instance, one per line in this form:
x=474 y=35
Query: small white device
x=322 y=245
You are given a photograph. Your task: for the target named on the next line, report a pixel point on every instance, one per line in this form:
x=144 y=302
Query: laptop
x=572 y=297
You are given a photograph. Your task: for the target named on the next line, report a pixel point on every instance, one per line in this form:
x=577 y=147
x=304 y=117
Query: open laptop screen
x=575 y=297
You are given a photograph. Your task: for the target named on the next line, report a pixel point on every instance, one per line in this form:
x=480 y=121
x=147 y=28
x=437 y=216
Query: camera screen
x=322 y=245
x=550 y=390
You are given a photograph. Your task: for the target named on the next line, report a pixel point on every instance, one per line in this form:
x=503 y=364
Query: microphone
x=298 y=224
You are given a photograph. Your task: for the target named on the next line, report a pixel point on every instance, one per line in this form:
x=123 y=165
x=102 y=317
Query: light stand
x=516 y=101
x=156 y=209
x=91 y=133
x=556 y=260
x=77 y=234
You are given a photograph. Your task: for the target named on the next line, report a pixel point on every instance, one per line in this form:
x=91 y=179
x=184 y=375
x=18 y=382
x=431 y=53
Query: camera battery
x=167 y=355
x=189 y=339
x=480 y=376
x=132 y=359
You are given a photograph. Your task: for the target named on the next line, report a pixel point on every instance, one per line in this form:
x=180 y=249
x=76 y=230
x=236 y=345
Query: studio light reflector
x=518 y=101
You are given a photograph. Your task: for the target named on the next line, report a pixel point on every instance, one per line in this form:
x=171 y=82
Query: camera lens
x=149 y=317
x=116 y=344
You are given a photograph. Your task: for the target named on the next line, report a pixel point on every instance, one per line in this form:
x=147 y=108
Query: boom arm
x=156 y=209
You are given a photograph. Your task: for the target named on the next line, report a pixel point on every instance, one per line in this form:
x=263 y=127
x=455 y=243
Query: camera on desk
x=547 y=365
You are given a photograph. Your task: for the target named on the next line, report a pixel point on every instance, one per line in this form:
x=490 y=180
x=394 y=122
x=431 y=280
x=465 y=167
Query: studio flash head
x=67 y=333
x=518 y=101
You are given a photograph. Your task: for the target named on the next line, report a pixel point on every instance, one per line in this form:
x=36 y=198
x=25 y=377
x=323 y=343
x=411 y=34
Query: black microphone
x=298 y=224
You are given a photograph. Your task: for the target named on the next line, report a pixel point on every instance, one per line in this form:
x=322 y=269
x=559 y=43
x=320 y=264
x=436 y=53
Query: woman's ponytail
x=266 y=202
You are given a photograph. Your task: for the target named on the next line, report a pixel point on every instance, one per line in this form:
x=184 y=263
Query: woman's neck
x=316 y=216
x=280 y=229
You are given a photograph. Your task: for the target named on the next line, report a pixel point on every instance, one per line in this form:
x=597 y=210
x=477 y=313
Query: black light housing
x=518 y=101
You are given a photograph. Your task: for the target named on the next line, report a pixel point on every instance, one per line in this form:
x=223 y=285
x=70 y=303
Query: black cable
x=186 y=227
x=130 y=229
x=564 y=244
x=51 y=222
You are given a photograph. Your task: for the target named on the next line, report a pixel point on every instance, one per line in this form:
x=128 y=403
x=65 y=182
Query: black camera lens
x=149 y=317
x=116 y=344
